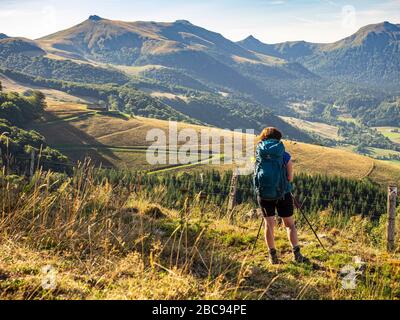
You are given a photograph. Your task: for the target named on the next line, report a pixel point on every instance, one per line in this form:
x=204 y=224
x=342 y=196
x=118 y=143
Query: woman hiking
x=272 y=181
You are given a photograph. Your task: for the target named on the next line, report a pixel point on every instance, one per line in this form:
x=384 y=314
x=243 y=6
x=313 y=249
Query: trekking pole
x=308 y=222
x=258 y=235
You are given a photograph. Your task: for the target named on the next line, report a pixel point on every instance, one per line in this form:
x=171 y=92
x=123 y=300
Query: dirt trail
x=370 y=170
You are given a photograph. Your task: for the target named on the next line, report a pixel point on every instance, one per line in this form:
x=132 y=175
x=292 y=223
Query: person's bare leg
x=292 y=235
x=270 y=239
x=291 y=231
x=269 y=225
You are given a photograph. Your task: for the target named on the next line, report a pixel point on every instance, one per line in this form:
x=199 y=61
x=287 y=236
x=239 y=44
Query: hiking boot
x=273 y=257
x=298 y=257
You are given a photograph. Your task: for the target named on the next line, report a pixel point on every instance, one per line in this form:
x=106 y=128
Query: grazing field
x=137 y=70
x=322 y=129
x=348 y=118
x=378 y=152
x=167 y=95
x=393 y=133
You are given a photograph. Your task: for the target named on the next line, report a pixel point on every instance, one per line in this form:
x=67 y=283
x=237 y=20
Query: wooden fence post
x=391 y=208
x=139 y=186
x=232 y=196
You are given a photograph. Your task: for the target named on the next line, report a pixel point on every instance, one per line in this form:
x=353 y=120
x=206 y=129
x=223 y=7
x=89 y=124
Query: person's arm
x=290 y=172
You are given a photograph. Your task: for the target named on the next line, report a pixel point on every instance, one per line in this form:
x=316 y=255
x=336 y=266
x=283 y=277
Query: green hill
x=371 y=55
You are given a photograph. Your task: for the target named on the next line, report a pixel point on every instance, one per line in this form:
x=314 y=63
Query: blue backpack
x=270 y=174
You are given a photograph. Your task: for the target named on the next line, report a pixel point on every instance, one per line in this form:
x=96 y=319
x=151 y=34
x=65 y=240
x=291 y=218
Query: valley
x=119 y=141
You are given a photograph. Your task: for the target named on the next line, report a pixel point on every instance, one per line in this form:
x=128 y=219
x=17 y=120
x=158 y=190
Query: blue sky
x=269 y=20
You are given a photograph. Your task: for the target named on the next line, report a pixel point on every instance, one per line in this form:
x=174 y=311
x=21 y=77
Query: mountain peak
x=3 y=36
x=251 y=38
x=385 y=26
x=95 y=18
x=183 y=22
x=390 y=26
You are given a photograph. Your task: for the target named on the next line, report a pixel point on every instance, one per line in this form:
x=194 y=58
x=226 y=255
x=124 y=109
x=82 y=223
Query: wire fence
x=315 y=199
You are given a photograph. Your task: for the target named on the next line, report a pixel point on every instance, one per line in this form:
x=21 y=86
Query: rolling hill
x=14 y=46
x=229 y=112
x=116 y=140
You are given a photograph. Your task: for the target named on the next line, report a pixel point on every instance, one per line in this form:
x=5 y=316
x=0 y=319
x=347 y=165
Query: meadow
x=393 y=133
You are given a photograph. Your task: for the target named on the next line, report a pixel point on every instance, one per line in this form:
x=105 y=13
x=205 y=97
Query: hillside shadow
x=75 y=143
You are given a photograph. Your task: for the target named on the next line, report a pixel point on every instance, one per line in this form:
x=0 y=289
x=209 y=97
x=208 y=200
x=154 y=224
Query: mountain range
x=370 y=55
x=194 y=70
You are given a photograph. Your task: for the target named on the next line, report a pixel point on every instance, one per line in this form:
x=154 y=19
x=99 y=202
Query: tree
x=113 y=103
x=38 y=100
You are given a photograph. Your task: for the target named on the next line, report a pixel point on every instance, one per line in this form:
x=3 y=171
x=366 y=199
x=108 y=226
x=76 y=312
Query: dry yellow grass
x=114 y=131
x=322 y=129
x=316 y=159
x=107 y=129
x=264 y=60
x=105 y=242
x=167 y=95
x=137 y=70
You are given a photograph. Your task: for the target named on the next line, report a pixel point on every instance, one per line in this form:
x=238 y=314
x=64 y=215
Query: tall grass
x=115 y=242
x=101 y=224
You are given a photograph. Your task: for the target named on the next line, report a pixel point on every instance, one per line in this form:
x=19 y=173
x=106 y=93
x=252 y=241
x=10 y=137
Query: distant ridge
x=372 y=54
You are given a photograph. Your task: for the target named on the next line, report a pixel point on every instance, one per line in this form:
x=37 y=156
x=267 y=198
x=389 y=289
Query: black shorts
x=284 y=207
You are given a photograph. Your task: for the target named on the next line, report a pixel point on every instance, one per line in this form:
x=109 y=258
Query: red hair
x=270 y=133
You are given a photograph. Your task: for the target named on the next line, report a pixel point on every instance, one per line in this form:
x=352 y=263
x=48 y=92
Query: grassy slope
x=387 y=132
x=106 y=130
x=11 y=85
x=131 y=253
x=322 y=129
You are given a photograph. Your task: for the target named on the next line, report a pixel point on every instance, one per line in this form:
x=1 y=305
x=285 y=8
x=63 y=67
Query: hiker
x=272 y=181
